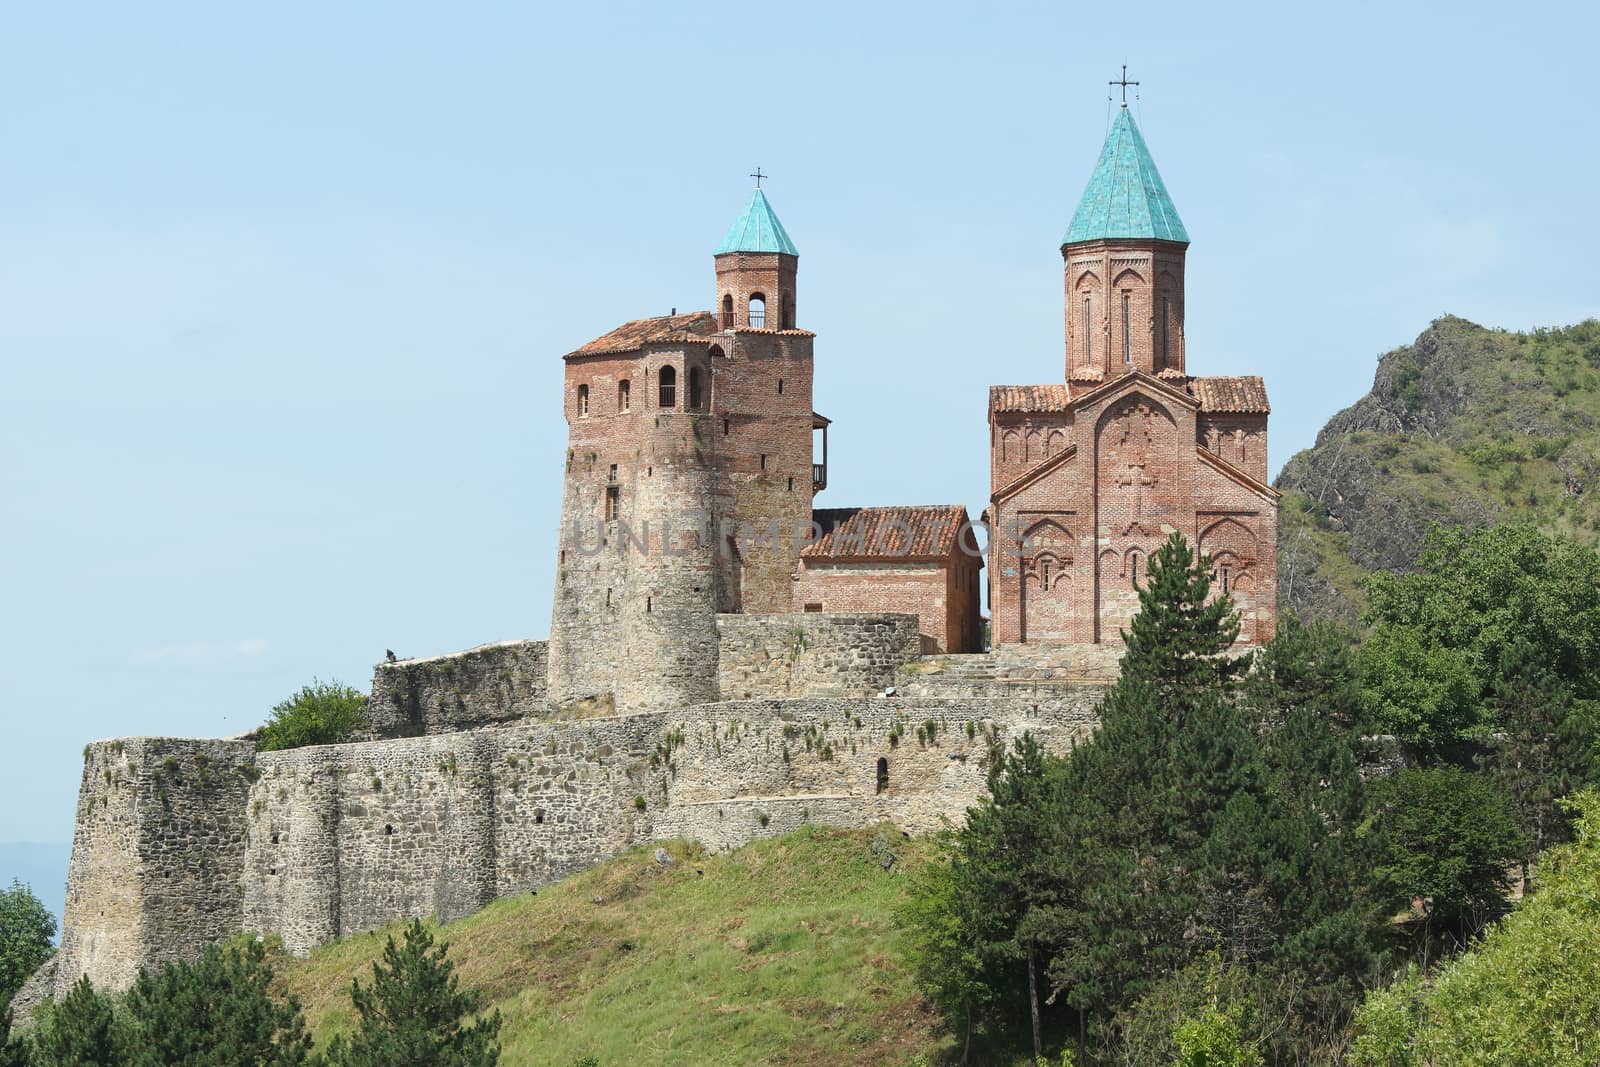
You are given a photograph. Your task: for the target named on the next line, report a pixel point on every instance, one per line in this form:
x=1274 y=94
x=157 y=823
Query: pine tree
x=78 y=1031
x=12 y=1052
x=217 y=1012
x=1172 y=751
x=413 y=1013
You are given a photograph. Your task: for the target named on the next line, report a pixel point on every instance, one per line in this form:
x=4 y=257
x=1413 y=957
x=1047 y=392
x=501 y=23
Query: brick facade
x=1090 y=475
x=921 y=561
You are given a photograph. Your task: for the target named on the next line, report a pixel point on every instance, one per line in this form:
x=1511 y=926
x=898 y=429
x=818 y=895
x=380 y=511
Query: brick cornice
x=1228 y=469
x=1021 y=482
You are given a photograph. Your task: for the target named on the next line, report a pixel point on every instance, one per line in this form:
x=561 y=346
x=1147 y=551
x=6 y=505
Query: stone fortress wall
x=476 y=786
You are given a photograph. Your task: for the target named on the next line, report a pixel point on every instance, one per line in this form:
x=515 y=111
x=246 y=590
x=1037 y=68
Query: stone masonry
x=725 y=662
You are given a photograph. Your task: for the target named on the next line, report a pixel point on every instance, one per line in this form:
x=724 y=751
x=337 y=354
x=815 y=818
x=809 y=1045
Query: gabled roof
x=903 y=533
x=1245 y=394
x=696 y=326
x=1125 y=196
x=1027 y=398
x=757 y=229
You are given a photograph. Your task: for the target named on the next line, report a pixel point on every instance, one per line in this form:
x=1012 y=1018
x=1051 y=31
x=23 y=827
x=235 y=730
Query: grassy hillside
x=783 y=952
x=1464 y=426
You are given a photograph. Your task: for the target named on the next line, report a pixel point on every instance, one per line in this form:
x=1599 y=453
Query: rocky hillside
x=1465 y=425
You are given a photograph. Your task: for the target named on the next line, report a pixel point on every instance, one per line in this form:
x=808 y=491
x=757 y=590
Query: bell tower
x=756 y=265
x=1123 y=258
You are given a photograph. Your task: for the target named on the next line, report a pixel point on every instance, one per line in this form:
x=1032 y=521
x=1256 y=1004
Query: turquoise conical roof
x=1125 y=196
x=757 y=229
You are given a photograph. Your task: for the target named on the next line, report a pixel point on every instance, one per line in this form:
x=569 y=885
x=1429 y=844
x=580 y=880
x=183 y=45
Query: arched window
x=727 y=311
x=1127 y=328
x=883 y=774
x=695 y=392
x=1088 y=329
x=1166 y=310
x=624 y=387
x=1133 y=568
x=583 y=401
x=758 y=311
x=668 y=394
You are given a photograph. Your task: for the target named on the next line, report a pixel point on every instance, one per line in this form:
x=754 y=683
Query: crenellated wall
x=495 y=683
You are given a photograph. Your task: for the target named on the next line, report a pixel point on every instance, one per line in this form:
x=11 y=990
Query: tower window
x=727 y=427
x=1088 y=329
x=1225 y=578
x=695 y=389
x=791 y=485
x=883 y=774
x=1133 y=569
x=1166 y=310
x=611 y=475
x=624 y=389
x=727 y=311
x=780 y=386
x=758 y=311
x=583 y=401
x=1127 y=328
x=668 y=396
x=613 y=502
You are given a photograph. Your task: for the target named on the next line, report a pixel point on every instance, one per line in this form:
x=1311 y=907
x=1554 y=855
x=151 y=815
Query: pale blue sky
x=284 y=287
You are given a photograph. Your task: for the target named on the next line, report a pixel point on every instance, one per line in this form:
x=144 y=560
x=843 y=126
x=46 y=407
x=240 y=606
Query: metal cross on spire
x=758 y=175
x=1124 y=83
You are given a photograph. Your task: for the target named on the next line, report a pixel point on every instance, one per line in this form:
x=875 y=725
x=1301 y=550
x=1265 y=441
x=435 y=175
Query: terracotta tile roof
x=906 y=533
x=1028 y=398
x=694 y=327
x=1246 y=394
x=789 y=332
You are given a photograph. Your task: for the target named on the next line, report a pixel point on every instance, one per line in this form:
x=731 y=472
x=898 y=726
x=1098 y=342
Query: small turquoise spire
x=757 y=229
x=1125 y=196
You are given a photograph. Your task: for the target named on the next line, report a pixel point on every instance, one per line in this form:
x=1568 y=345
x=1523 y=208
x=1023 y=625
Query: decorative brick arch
x=1088 y=282
x=1045 y=580
x=1128 y=279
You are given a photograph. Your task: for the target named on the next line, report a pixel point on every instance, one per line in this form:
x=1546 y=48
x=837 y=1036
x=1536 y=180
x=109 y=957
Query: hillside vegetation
x=784 y=952
x=1466 y=426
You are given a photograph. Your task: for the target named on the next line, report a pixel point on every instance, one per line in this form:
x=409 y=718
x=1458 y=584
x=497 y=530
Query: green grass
x=783 y=952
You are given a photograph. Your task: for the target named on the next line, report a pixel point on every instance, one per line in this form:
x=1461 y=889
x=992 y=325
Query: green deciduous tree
x=26 y=930
x=1444 y=629
x=216 y=1012
x=414 y=1014
x=1445 y=839
x=322 y=713
x=79 y=1030
x=1528 y=993
x=1546 y=747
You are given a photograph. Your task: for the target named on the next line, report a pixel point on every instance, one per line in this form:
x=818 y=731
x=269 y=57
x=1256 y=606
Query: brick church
x=695 y=455
x=1089 y=475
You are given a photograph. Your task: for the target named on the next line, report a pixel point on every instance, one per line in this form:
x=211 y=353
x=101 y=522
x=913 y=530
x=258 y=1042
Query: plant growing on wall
x=322 y=713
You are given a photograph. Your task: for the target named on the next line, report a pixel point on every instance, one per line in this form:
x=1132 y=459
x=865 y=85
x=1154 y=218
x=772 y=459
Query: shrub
x=322 y=713
x=26 y=928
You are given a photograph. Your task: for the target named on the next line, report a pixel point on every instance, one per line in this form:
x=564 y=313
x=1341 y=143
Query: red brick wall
x=1150 y=273
x=1068 y=543
x=942 y=594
